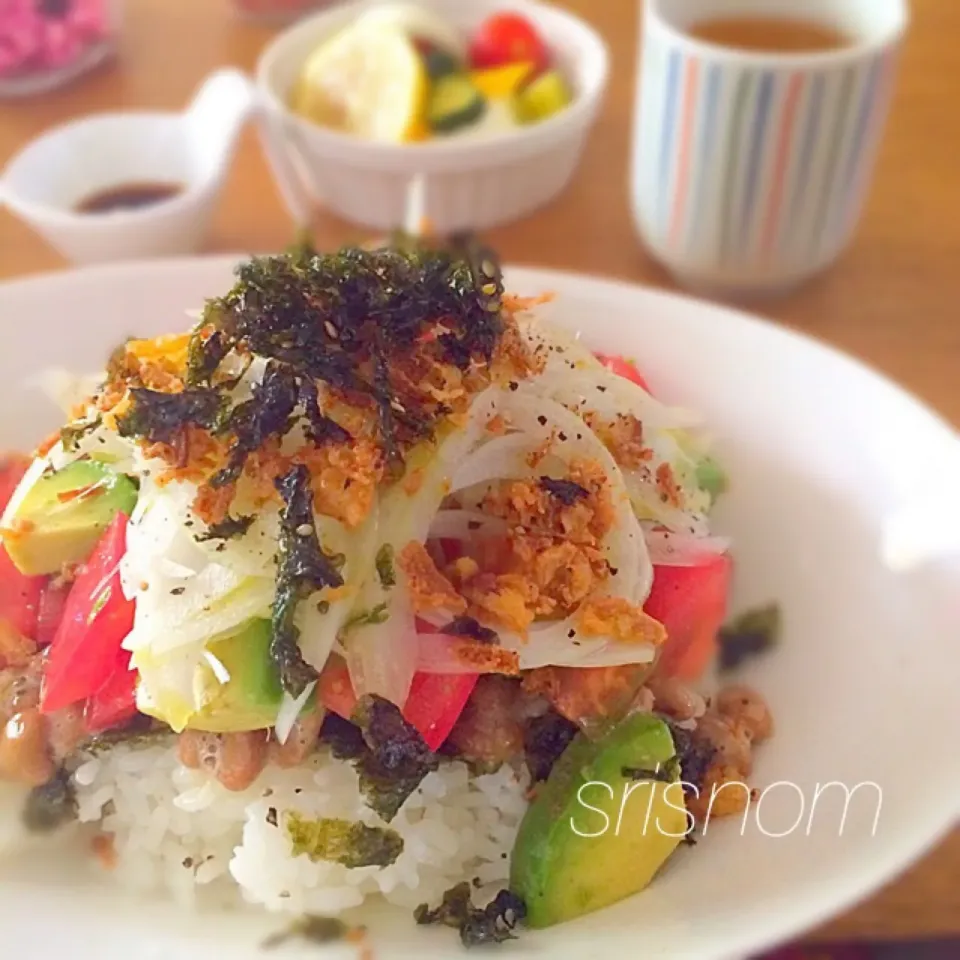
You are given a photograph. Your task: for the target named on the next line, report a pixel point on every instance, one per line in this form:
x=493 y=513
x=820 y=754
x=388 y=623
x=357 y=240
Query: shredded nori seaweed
x=544 y=740
x=662 y=773
x=344 y=738
x=566 y=491
x=396 y=759
x=347 y=842
x=161 y=417
x=268 y=413
x=493 y=923
x=303 y=569
x=695 y=755
x=749 y=635
x=468 y=627
x=226 y=529
x=50 y=805
x=339 y=317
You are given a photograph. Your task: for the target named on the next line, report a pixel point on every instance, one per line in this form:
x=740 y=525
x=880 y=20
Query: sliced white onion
x=681 y=550
x=440 y=653
x=463 y=524
x=290 y=708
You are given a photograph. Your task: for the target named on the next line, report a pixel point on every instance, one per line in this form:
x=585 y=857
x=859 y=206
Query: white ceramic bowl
x=824 y=455
x=468 y=184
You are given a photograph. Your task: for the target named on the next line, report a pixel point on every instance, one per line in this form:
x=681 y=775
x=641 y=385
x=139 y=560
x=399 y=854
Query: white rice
x=177 y=830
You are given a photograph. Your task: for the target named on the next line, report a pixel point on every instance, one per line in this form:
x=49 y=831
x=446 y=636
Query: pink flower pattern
x=40 y=35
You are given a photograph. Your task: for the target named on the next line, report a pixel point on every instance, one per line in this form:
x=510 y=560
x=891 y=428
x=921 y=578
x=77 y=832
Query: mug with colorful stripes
x=750 y=169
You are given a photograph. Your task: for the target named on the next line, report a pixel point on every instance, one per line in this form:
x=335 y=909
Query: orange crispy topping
x=667 y=485
x=429 y=588
x=16 y=650
x=486 y=657
x=618 y=618
x=586 y=693
x=623 y=437
x=104 y=850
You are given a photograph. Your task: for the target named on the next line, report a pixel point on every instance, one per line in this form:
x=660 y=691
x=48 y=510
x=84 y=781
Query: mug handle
x=285 y=160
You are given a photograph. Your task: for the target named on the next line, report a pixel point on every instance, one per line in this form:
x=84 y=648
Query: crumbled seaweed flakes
x=544 y=740
x=386 y=570
x=468 y=627
x=396 y=760
x=749 y=635
x=315 y=930
x=161 y=417
x=347 y=842
x=566 y=491
x=73 y=433
x=320 y=428
x=50 y=805
x=493 y=923
x=227 y=529
x=333 y=317
x=268 y=413
x=695 y=755
x=303 y=569
x=204 y=356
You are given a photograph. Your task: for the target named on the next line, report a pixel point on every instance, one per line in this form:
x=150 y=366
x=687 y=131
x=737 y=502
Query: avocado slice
x=595 y=833
x=251 y=697
x=63 y=514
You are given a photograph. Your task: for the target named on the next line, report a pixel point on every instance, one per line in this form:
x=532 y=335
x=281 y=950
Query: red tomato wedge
x=436 y=701
x=53 y=601
x=19 y=597
x=508 y=38
x=116 y=701
x=691 y=602
x=433 y=705
x=622 y=368
x=97 y=616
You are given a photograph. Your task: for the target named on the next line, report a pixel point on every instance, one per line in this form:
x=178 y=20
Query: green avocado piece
x=600 y=829
x=63 y=515
x=251 y=697
x=454 y=103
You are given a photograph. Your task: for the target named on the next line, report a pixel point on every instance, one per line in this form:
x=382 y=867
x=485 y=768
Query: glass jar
x=277 y=11
x=45 y=44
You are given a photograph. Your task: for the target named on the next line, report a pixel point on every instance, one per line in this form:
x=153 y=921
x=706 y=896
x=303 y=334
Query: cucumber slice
x=454 y=103
x=439 y=63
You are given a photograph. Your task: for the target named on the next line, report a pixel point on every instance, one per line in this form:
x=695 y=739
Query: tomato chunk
x=19 y=597
x=691 y=602
x=116 y=701
x=97 y=617
x=433 y=705
x=623 y=367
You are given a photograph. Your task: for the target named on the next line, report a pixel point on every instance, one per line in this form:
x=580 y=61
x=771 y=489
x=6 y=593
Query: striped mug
x=750 y=169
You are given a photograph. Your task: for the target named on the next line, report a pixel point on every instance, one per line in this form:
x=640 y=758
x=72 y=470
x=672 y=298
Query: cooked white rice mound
x=179 y=830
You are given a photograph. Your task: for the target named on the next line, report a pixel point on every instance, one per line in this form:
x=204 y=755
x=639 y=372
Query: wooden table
x=893 y=300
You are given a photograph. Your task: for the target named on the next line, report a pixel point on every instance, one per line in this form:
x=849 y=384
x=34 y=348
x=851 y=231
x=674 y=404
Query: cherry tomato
x=19 y=597
x=508 y=38
x=86 y=651
x=622 y=368
x=116 y=701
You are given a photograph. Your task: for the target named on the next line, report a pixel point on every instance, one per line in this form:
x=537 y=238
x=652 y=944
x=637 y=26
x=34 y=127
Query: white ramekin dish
x=467 y=183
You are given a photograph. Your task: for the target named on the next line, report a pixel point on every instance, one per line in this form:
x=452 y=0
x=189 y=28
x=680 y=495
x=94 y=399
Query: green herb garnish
x=303 y=569
x=366 y=618
x=749 y=635
x=73 y=433
x=346 y=842
x=385 y=568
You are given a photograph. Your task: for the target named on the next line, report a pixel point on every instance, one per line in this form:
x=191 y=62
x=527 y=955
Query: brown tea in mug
x=769 y=34
x=128 y=196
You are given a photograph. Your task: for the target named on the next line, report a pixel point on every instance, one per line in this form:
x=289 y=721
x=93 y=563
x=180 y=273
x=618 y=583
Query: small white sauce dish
x=469 y=183
x=47 y=180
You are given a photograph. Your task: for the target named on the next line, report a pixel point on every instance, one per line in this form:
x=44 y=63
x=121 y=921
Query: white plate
x=823 y=453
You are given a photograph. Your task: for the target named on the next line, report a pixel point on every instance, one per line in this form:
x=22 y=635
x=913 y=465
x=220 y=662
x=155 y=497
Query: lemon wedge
x=367 y=80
